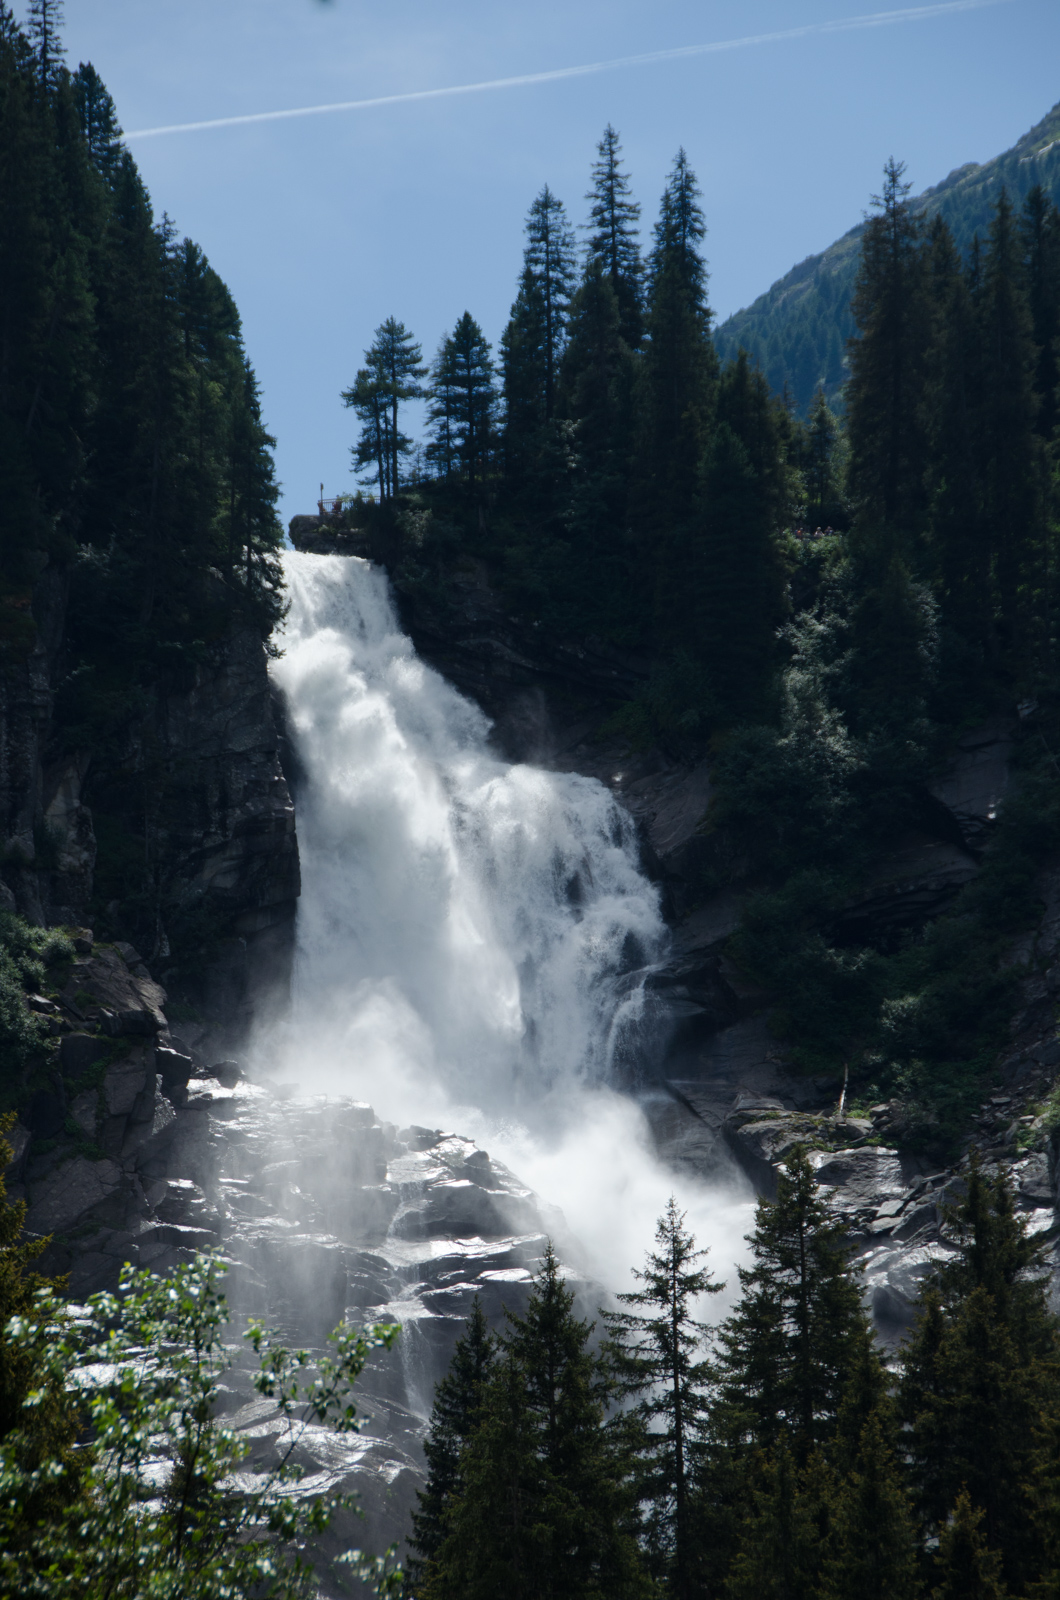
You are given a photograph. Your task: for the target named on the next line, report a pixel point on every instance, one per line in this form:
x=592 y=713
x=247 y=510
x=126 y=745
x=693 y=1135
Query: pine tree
x=965 y=1566
x=44 y=27
x=734 y=577
x=389 y=378
x=532 y=348
x=457 y=1400
x=680 y=372
x=659 y=1351
x=598 y=396
x=885 y=392
x=613 y=217
x=546 y=1510
x=982 y=1370
x=463 y=407
x=792 y=1343
x=99 y=120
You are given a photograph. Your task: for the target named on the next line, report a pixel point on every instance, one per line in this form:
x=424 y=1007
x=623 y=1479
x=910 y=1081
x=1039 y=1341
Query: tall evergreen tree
x=1040 y=230
x=680 y=367
x=791 y=1345
x=885 y=391
x=781 y=1543
x=1012 y=459
x=982 y=1369
x=598 y=396
x=819 y=465
x=44 y=26
x=457 y=1400
x=735 y=576
x=394 y=366
x=463 y=406
x=966 y=1568
x=99 y=120
x=662 y=1365
x=532 y=347
x=613 y=217
x=546 y=1510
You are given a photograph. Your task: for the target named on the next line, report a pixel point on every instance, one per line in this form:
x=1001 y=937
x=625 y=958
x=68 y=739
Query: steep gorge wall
x=194 y=809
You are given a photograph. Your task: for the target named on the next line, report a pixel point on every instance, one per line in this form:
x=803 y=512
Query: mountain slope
x=797 y=330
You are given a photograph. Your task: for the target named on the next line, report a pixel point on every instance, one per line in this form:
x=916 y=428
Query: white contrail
x=875 y=19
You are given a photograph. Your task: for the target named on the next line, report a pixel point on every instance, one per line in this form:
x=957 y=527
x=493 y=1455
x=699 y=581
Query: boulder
x=859 y=1180
x=68 y=1191
x=102 y=985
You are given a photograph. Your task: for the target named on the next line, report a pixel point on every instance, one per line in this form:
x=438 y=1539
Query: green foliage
x=152 y=1509
x=25 y=954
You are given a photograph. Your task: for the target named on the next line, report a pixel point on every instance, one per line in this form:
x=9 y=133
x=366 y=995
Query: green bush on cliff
x=25 y=953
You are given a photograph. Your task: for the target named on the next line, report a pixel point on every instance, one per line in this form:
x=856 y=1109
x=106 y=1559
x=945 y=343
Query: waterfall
x=473 y=934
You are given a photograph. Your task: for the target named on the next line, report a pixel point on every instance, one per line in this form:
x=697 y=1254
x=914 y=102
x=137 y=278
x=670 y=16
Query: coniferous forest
x=820 y=602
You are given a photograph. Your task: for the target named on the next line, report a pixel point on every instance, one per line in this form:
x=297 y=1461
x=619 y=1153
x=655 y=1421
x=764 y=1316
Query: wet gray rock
x=323 y=1214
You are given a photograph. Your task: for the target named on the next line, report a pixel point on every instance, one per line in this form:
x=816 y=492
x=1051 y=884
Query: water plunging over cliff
x=472 y=935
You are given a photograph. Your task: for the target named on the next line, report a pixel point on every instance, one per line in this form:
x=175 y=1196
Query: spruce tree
x=1040 y=232
x=44 y=27
x=821 y=477
x=661 y=1364
x=389 y=378
x=1011 y=451
x=463 y=407
x=781 y=1541
x=532 y=347
x=791 y=1345
x=680 y=373
x=960 y=539
x=965 y=1567
x=873 y=1542
x=598 y=396
x=734 y=581
x=613 y=217
x=99 y=120
x=981 y=1374
x=885 y=392
x=457 y=1400
x=546 y=1508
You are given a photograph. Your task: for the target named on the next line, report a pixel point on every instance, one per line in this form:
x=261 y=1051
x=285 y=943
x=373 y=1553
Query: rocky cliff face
x=210 y=822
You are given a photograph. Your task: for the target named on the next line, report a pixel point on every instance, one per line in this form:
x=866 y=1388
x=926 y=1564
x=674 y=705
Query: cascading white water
x=472 y=935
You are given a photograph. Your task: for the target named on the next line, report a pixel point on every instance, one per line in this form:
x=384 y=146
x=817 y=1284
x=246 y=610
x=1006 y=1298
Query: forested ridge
x=797 y=330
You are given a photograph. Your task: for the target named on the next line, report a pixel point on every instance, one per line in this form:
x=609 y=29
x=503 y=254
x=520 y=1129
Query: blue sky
x=323 y=226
